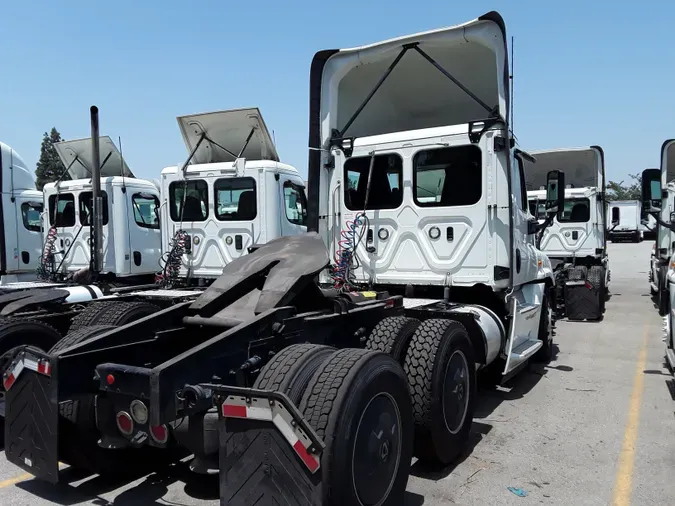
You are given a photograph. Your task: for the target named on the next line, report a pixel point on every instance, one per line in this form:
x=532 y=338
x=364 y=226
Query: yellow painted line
x=624 y=475
x=14 y=481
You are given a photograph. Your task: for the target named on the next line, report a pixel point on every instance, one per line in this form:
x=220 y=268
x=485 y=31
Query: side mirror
x=555 y=192
x=651 y=190
x=672 y=217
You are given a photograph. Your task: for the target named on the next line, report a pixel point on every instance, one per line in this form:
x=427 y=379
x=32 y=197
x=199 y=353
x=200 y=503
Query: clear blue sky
x=585 y=72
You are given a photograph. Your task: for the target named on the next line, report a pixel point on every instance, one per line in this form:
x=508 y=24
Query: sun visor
x=583 y=167
x=76 y=155
x=225 y=134
x=472 y=85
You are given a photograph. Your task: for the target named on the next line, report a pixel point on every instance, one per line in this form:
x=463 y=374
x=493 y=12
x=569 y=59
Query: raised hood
x=473 y=53
x=225 y=135
x=583 y=167
x=667 y=162
x=77 y=157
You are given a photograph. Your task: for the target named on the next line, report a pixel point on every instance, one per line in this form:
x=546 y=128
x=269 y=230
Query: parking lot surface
x=594 y=427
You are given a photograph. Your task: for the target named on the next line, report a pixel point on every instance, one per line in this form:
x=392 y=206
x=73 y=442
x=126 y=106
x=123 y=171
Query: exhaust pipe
x=96 y=224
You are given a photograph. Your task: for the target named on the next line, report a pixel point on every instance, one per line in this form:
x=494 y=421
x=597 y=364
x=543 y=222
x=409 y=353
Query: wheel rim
x=456 y=392
x=377 y=450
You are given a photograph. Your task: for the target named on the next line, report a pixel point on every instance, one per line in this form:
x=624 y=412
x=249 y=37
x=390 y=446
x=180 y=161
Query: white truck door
x=292 y=216
x=29 y=237
x=144 y=232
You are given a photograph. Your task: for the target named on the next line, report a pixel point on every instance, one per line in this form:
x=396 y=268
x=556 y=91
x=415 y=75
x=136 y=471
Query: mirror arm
x=669 y=226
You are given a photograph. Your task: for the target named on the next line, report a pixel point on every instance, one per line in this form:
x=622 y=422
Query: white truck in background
x=232 y=194
x=575 y=241
x=624 y=220
x=20 y=210
x=658 y=200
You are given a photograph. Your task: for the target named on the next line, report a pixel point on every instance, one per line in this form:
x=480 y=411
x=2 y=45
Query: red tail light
x=124 y=423
x=159 y=434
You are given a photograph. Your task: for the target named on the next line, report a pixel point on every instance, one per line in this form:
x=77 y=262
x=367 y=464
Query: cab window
x=146 y=210
x=577 y=210
x=235 y=199
x=189 y=200
x=385 y=189
x=30 y=213
x=86 y=208
x=447 y=177
x=62 y=210
x=296 y=203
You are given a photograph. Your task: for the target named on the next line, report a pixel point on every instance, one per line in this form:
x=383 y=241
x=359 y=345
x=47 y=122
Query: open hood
x=77 y=157
x=225 y=134
x=582 y=166
x=473 y=53
x=667 y=162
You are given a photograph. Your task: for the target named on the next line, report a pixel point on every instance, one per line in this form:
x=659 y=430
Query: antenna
x=512 y=67
x=119 y=140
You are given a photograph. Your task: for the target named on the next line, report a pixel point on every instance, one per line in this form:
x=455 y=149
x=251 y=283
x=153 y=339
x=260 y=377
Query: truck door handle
x=575 y=235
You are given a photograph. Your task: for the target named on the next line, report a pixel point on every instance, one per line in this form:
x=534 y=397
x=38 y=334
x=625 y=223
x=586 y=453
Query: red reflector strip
x=45 y=368
x=9 y=381
x=309 y=460
x=589 y=286
x=261 y=409
x=233 y=411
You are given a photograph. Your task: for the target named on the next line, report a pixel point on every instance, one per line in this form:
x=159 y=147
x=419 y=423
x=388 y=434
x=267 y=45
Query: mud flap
x=31 y=415
x=268 y=453
x=582 y=302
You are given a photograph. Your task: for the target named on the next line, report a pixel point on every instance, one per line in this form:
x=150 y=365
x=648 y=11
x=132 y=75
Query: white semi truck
x=575 y=241
x=625 y=220
x=658 y=200
x=20 y=210
x=417 y=287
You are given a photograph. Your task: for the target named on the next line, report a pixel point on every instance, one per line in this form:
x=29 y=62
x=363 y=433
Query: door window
x=146 y=210
x=30 y=213
x=577 y=210
x=295 y=203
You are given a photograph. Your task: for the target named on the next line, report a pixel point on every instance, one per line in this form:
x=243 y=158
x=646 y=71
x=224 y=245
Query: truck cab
x=20 y=211
x=625 y=220
x=417 y=186
x=658 y=201
x=131 y=230
x=233 y=194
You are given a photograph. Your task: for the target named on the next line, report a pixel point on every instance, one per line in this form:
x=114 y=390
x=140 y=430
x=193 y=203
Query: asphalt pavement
x=594 y=427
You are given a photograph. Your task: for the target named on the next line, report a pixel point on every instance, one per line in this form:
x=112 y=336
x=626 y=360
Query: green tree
x=49 y=168
x=621 y=191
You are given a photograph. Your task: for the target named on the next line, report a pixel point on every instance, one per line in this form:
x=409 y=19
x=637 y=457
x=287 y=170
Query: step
x=527 y=348
x=670 y=356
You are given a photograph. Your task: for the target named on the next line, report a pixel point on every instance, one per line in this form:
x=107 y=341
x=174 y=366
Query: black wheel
x=78 y=435
x=290 y=370
x=577 y=273
x=441 y=370
x=90 y=314
x=596 y=277
x=112 y=313
x=545 y=334
x=392 y=335
x=664 y=294
x=358 y=402
x=79 y=336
